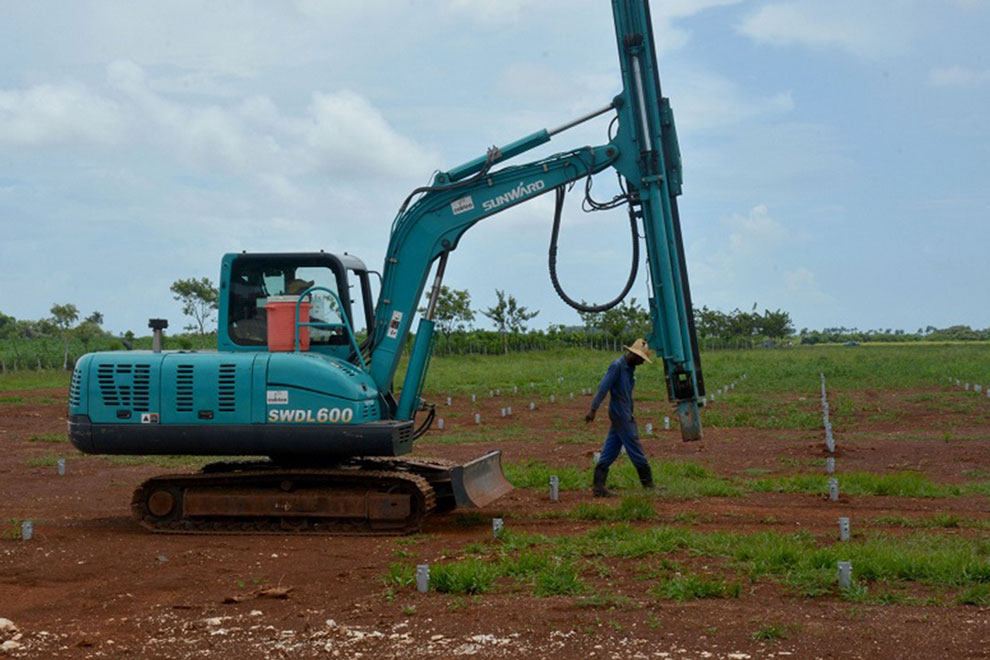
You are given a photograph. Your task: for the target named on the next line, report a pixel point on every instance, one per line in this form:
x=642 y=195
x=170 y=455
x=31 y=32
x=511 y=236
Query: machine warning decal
x=393 y=326
x=278 y=397
x=462 y=205
x=149 y=418
x=321 y=416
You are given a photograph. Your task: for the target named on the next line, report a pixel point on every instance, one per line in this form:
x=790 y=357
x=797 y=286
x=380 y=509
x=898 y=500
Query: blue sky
x=835 y=153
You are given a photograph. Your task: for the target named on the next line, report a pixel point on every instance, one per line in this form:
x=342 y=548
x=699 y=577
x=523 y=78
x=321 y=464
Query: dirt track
x=93 y=584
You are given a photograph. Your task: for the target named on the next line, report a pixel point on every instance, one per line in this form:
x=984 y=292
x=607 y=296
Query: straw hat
x=297 y=286
x=640 y=348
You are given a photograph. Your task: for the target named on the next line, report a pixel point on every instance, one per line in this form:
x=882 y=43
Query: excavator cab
x=248 y=281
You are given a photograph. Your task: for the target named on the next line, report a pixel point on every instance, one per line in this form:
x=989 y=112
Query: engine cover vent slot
x=142 y=386
x=226 y=388
x=75 y=387
x=184 y=380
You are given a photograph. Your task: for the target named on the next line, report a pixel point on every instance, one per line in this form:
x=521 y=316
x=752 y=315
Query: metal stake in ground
x=829 y=465
x=440 y=423
x=833 y=489
x=422 y=578
x=477 y=418
x=27 y=530
x=497 y=525
x=666 y=423
x=554 y=487
x=845 y=574
x=843 y=529
x=61 y=467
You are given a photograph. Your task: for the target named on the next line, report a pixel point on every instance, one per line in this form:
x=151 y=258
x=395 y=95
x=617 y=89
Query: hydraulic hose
x=633 y=270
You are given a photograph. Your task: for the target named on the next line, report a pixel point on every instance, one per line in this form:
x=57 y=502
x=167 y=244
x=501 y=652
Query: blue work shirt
x=618 y=382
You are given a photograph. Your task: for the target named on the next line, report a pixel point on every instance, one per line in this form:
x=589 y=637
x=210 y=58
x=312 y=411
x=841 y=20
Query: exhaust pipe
x=157 y=326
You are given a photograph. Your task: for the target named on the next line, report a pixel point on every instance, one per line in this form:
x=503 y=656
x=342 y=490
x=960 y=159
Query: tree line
x=57 y=340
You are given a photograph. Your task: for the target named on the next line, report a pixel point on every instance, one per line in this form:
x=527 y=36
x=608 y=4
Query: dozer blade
x=479 y=482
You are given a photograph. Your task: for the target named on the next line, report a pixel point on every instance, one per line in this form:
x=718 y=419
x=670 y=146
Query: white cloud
x=755 y=232
x=340 y=132
x=865 y=29
x=958 y=76
x=58 y=114
x=754 y=253
x=349 y=136
x=667 y=35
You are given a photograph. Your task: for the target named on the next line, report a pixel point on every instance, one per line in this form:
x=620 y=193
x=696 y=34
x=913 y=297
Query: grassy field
x=796 y=369
x=716 y=530
x=890 y=366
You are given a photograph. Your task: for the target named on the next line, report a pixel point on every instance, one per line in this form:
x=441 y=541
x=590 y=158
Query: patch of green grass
x=12 y=529
x=399 y=575
x=770 y=632
x=48 y=437
x=693 y=586
x=811 y=583
x=557 y=578
x=880 y=367
x=679 y=479
x=34 y=380
x=250 y=582
x=48 y=459
x=938 y=520
x=552 y=565
x=471 y=576
x=629 y=509
x=797 y=559
x=977 y=594
x=899 y=484
x=524 y=565
x=599 y=601
x=691 y=518
x=11 y=399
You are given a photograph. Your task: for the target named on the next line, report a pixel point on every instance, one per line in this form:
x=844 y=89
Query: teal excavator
x=291 y=382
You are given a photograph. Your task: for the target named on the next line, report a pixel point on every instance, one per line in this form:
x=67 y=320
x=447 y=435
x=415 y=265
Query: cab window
x=253 y=282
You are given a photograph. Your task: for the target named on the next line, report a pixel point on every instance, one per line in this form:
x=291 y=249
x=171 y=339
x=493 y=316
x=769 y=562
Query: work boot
x=646 y=476
x=601 y=474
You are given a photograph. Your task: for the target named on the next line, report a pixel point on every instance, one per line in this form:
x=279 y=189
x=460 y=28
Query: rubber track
x=423 y=502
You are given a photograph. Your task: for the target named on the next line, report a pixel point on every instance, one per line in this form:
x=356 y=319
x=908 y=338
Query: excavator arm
x=644 y=152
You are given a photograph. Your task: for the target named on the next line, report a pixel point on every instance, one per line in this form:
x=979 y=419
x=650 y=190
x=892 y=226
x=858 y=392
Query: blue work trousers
x=623 y=434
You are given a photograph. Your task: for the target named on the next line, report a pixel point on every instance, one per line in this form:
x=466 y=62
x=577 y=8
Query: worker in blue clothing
x=618 y=382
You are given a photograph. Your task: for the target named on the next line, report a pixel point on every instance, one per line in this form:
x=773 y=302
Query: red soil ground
x=92 y=583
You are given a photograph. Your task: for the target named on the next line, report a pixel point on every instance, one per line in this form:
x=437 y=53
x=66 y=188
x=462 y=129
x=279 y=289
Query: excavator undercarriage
x=359 y=496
